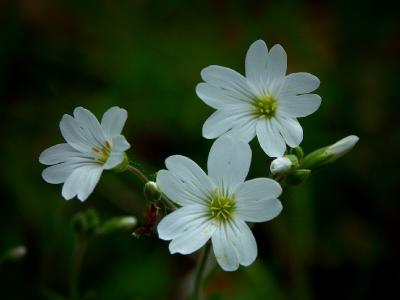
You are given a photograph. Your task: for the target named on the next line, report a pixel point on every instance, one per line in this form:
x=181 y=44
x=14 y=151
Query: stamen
x=221 y=207
x=103 y=153
x=265 y=106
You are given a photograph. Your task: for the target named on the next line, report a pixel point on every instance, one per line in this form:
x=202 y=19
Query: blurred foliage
x=337 y=237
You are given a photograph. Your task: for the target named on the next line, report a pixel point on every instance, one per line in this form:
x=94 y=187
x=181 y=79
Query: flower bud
x=15 y=254
x=343 y=146
x=284 y=164
x=117 y=224
x=297 y=177
x=330 y=153
x=86 y=223
x=151 y=191
x=280 y=165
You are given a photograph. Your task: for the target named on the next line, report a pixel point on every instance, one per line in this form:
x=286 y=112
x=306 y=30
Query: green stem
x=200 y=272
x=138 y=173
x=77 y=258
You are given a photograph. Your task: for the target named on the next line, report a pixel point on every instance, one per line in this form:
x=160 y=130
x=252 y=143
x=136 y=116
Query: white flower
x=280 y=165
x=218 y=205
x=342 y=146
x=265 y=103
x=91 y=148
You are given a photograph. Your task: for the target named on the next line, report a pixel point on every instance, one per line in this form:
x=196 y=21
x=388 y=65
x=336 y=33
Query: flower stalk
x=138 y=173
x=76 y=266
x=201 y=267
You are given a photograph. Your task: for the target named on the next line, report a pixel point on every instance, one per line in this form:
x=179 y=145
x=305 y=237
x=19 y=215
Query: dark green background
x=337 y=237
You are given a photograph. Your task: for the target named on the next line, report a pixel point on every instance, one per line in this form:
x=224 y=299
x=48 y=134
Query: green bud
x=297 y=177
x=316 y=159
x=123 y=165
x=14 y=254
x=328 y=154
x=86 y=223
x=152 y=192
x=118 y=224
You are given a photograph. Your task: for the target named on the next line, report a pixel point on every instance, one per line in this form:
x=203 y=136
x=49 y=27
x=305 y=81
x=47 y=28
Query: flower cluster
x=219 y=204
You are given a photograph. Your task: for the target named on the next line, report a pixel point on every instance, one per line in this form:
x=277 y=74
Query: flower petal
x=263 y=210
x=227 y=79
x=58 y=173
x=59 y=153
x=243 y=241
x=224 y=119
x=269 y=138
x=191 y=175
x=256 y=65
x=114 y=160
x=193 y=238
x=113 y=121
x=258 y=188
x=73 y=184
x=223 y=249
x=291 y=130
x=277 y=63
x=176 y=190
x=216 y=97
x=89 y=182
x=299 y=83
x=74 y=134
x=299 y=106
x=228 y=163
x=244 y=131
x=256 y=200
x=90 y=125
x=119 y=143
x=177 y=222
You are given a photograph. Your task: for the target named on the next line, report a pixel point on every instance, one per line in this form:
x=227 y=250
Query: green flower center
x=265 y=106
x=103 y=153
x=221 y=207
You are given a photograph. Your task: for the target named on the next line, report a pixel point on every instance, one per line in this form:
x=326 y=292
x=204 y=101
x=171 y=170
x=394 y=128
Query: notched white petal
x=269 y=138
x=229 y=162
x=301 y=105
x=192 y=239
x=190 y=174
x=256 y=66
x=299 y=83
x=224 y=251
x=58 y=153
x=277 y=63
x=113 y=121
x=120 y=144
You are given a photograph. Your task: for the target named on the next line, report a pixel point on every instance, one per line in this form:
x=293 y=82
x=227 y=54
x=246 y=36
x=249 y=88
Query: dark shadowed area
x=337 y=236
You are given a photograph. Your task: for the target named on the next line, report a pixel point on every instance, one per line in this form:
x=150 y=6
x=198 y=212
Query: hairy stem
x=138 y=173
x=199 y=279
x=76 y=265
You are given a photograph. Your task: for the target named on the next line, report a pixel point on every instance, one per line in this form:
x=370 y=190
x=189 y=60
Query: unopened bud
x=118 y=224
x=17 y=253
x=330 y=153
x=297 y=177
x=86 y=223
x=343 y=146
x=152 y=192
x=282 y=165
